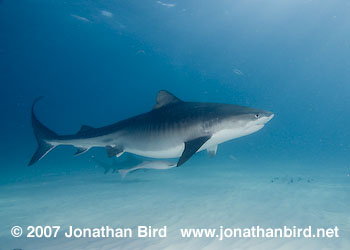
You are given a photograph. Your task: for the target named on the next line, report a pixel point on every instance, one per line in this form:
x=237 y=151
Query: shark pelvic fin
x=212 y=150
x=84 y=129
x=81 y=150
x=165 y=98
x=191 y=147
x=114 y=151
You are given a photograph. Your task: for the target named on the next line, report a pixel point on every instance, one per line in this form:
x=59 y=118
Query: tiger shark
x=173 y=128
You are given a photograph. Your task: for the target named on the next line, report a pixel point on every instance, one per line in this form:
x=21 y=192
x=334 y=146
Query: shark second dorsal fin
x=165 y=98
x=83 y=129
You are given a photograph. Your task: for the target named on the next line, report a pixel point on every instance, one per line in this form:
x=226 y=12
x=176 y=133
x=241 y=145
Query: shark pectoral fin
x=191 y=147
x=212 y=150
x=112 y=151
x=81 y=150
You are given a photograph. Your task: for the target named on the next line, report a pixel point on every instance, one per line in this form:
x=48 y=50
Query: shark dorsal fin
x=84 y=129
x=165 y=98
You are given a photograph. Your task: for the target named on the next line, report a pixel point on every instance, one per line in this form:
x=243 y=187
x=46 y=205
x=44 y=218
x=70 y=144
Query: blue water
x=98 y=62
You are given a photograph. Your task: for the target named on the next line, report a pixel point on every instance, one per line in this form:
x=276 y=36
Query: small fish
x=81 y=18
x=160 y=165
x=238 y=72
x=169 y=5
x=106 y=13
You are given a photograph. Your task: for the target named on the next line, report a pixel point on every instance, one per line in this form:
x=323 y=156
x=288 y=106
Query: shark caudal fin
x=123 y=172
x=43 y=136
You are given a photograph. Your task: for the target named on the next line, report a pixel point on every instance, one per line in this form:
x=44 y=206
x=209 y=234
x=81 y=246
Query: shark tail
x=123 y=172
x=43 y=136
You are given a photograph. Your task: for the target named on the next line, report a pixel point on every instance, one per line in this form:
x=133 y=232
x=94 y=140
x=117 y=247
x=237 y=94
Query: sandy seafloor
x=203 y=194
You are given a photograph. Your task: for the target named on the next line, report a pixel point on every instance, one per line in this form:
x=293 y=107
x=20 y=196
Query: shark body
x=173 y=128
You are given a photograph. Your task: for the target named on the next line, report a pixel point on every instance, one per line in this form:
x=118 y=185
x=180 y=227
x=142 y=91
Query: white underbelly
x=159 y=154
x=217 y=138
x=227 y=135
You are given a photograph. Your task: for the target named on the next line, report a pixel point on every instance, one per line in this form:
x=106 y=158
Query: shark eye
x=257 y=116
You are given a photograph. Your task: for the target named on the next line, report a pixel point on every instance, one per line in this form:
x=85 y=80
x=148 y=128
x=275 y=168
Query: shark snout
x=265 y=118
x=270 y=117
